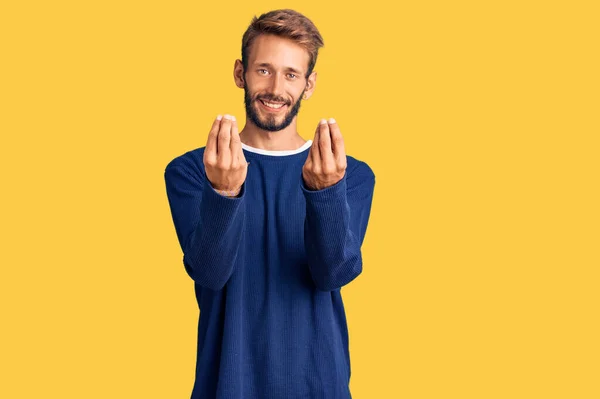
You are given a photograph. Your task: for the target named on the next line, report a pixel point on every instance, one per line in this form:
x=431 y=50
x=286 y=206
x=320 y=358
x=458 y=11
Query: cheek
x=254 y=88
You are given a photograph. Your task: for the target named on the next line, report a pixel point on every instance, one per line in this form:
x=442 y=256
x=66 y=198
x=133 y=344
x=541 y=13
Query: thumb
x=241 y=156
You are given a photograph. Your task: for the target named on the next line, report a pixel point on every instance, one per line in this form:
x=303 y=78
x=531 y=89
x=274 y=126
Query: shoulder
x=360 y=178
x=358 y=170
x=189 y=163
x=191 y=160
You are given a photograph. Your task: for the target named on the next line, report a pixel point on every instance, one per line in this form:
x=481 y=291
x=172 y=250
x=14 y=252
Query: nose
x=277 y=86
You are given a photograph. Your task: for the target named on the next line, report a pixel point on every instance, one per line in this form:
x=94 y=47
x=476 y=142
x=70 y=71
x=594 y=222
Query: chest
x=275 y=207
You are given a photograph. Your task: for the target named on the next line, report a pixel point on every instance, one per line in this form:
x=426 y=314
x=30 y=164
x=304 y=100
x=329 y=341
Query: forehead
x=279 y=52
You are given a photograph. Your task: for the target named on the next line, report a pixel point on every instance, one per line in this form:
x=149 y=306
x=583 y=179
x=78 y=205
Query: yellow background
x=480 y=120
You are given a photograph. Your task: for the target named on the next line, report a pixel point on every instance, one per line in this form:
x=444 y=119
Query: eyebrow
x=266 y=64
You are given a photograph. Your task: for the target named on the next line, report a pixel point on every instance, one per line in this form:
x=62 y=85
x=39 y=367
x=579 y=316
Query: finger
x=325 y=143
x=337 y=141
x=210 y=152
x=223 y=150
x=315 y=152
x=236 y=143
x=242 y=157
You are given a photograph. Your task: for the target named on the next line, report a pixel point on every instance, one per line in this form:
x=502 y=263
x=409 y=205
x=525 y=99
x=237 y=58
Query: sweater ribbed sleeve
x=335 y=227
x=209 y=226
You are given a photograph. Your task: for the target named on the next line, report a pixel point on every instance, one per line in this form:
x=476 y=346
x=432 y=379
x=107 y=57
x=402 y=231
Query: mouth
x=272 y=107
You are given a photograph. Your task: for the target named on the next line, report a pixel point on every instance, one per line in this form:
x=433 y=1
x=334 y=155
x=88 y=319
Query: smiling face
x=274 y=82
x=270 y=112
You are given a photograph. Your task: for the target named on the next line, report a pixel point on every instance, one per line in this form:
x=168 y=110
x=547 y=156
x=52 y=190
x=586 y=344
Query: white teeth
x=270 y=105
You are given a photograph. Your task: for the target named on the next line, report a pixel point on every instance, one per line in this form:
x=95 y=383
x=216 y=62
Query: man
x=271 y=227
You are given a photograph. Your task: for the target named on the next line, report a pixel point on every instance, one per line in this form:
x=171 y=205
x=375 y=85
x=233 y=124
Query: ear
x=238 y=74
x=311 y=83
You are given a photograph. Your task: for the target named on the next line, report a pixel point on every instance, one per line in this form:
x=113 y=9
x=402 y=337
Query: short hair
x=288 y=24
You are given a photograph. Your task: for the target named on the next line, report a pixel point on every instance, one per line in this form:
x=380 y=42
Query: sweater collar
x=277 y=152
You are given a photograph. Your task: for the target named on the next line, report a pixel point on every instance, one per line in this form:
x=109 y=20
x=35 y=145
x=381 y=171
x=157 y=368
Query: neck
x=285 y=139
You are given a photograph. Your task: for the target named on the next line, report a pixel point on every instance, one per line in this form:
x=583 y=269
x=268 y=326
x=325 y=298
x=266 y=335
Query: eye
x=294 y=75
x=259 y=71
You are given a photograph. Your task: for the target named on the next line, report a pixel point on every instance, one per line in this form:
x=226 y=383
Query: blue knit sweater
x=268 y=266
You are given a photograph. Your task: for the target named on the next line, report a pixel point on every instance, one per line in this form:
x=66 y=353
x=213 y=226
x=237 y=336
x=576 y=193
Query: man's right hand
x=224 y=162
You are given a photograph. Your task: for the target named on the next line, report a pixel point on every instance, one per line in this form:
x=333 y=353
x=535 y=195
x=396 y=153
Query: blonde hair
x=288 y=24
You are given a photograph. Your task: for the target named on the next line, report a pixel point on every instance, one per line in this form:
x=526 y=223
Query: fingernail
x=232 y=117
x=331 y=120
x=227 y=116
x=219 y=117
x=323 y=121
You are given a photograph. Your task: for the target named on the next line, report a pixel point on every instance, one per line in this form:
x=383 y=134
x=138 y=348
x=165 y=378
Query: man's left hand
x=326 y=162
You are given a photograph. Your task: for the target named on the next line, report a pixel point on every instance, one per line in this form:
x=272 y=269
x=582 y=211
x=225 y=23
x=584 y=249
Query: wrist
x=229 y=193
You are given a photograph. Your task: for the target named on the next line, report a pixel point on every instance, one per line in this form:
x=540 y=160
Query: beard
x=269 y=122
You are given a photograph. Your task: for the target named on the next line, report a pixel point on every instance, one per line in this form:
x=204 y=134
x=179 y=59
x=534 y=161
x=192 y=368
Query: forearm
x=332 y=247
x=212 y=248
